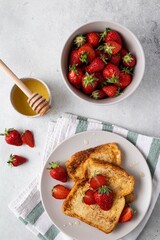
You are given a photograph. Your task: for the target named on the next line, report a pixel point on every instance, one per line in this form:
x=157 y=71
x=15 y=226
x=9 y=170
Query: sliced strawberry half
x=126 y=214
x=89 y=197
x=97 y=181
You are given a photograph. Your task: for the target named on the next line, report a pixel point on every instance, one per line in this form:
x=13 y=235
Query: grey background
x=32 y=34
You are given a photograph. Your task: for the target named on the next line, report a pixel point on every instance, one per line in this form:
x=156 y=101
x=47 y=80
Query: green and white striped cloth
x=28 y=207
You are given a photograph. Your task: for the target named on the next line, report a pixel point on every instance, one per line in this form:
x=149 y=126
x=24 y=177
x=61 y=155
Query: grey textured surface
x=32 y=34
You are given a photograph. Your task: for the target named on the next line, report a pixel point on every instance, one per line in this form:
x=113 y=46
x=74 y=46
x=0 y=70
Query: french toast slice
x=117 y=178
x=93 y=215
x=108 y=152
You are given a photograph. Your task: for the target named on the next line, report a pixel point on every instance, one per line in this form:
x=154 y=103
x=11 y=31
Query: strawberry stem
x=108 y=48
x=79 y=40
x=103 y=34
x=73 y=68
x=89 y=79
x=10 y=160
x=113 y=79
x=84 y=57
x=104 y=189
x=127 y=70
x=128 y=58
x=53 y=165
x=6 y=131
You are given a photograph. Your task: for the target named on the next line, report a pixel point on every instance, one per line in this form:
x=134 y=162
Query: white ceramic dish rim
x=103 y=101
x=25 y=79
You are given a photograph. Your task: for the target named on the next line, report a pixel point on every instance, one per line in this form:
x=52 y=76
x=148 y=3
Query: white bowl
x=132 y=44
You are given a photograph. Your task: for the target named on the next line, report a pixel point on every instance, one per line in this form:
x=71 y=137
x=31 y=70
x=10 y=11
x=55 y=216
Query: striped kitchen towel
x=28 y=207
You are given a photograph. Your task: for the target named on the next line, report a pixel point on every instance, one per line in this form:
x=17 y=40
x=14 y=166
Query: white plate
x=133 y=162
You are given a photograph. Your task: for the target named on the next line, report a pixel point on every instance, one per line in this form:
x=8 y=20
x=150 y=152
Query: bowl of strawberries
x=102 y=62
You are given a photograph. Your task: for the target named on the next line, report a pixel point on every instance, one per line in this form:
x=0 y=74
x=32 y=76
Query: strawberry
x=57 y=171
x=98 y=94
x=111 y=72
x=96 y=65
x=124 y=79
x=89 y=197
x=97 y=181
x=12 y=137
x=111 y=35
x=93 y=38
x=15 y=160
x=74 y=58
x=111 y=90
x=129 y=60
x=99 y=76
x=104 y=197
x=115 y=59
x=123 y=52
x=86 y=53
x=28 y=138
x=112 y=47
x=126 y=214
x=102 y=54
x=98 y=62
x=79 y=40
x=60 y=192
x=75 y=76
x=89 y=83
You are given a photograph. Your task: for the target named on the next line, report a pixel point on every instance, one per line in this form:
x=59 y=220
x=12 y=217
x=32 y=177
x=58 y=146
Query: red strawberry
x=129 y=60
x=104 y=197
x=115 y=59
x=60 y=192
x=111 y=72
x=86 y=53
x=89 y=197
x=79 y=40
x=28 y=138
x=89 y=83
x=12 y=137
x=111 y=90
x=124 y=79
x=98 y=94
x=15 y=160
x=57 y=172
x=74 y=58
x=123 y=52
x=99 y=76
x=126 y=214
x=96 y=65
x=102 y=54
x=112 y=47
x=93 y=38
x=111 y=35
x=75 y=76
x=97 y=181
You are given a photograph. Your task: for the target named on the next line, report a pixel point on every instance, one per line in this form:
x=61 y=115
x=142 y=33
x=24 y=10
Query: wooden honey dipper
x=38 y=103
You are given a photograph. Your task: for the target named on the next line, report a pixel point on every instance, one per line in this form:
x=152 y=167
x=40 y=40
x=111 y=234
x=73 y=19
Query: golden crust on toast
x=117 y=178
x=106 y=152
x=74 y=163
x=93 y=215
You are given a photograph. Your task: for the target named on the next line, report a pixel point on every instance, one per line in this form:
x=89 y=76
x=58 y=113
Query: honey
x=19 y=99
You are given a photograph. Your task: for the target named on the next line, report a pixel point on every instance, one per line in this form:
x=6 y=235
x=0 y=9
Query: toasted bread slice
x=74 y=163
x=93 y=215
x=117 y=178
x=107 y=153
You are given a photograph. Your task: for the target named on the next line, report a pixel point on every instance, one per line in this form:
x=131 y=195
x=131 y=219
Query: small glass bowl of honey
x=19 y=99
